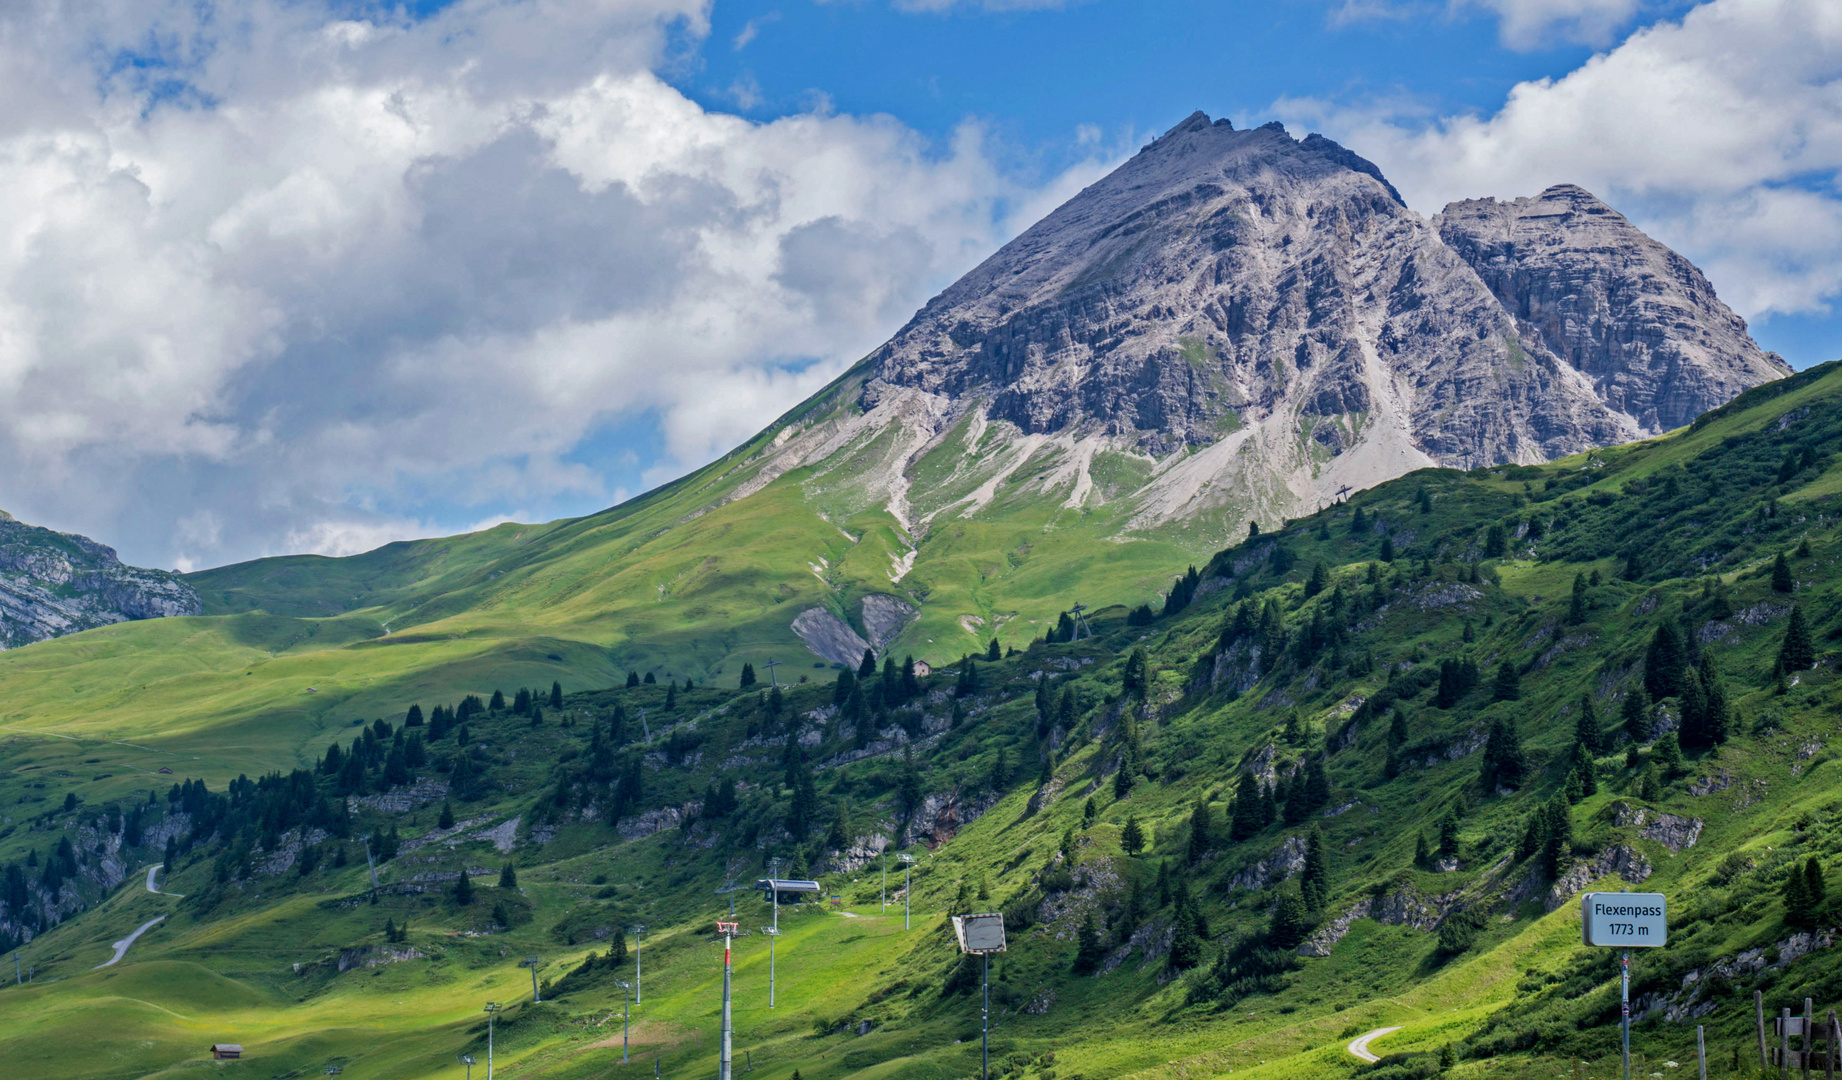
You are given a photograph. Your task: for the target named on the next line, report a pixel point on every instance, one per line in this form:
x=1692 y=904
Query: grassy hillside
x=1355 y=765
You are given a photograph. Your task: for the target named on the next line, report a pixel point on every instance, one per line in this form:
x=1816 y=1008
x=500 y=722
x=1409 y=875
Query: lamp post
x=980 y=936
x=533 y=963
x=772 y=934
x=467 y=1060
x=492 y=1014
x=908 y=862
x=639 y=931
x=626 y=1012
x=727 y=929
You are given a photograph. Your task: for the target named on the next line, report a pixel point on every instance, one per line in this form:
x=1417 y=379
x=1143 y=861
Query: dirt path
x=1359 y=1046
x=121 y=947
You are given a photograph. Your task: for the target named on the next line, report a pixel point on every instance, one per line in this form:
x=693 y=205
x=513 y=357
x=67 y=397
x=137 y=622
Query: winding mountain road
x=121 y=947
x=1359 y=1046
x=151 y=871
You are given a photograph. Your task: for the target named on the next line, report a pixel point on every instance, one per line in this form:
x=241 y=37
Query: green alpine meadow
x=1348 y=774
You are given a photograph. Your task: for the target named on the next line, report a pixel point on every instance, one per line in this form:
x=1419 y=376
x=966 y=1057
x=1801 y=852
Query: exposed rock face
x=1640 y=320
x=54 y=583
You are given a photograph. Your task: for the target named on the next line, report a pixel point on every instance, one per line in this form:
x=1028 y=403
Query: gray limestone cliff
x=1640 y=320
x=54 y=583
x=1267 y=321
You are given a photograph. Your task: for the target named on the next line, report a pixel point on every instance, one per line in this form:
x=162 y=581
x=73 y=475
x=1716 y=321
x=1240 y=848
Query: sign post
x=980 y=936
x=1624 y=921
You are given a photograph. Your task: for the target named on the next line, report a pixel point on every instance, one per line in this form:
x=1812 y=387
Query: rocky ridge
x=54 y=583
x=1241 y=325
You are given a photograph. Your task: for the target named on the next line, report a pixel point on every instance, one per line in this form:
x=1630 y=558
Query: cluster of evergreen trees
x=1293 y=800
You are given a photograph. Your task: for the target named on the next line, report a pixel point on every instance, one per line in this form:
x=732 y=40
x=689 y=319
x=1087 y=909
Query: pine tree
x=1397 y=727
x=1508 y=685
x=1717 y=720
x=1798 y=651
x=1088 y=950
x=1314 y=880
x=1635 y=715
x=497 y=704
x=1585 y=771
x=1667 y=754
x=1317 y=582
x=1185 y=942
x=868 y=667
x=413 y=718
x=1665 y=662
x=1694 y=712
x=1557 y=839
x=1134 y=680
x=1586 y=730
x=650 y=679
x=1132 y=837
x=463 y=890
x=633 y=679
x=1815 y=887
x=1576 y=608
x=1504 y=764
x=1781 y=575
x=1202 y=831
x=1359 y=522
x=993 y=652
x=748 y=676
x=1448 y=835
x=1799 y=911
x=1290 y=921
x=1245 y=820
x=1425 y=499
x=508 y=877
x=1422 y=851
x=556 y=695
x=446 y=821
x=1387 y=549
x=1448 y=1057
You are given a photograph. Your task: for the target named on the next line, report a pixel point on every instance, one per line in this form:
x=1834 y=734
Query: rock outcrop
x=54 y=583
x=1637 y=318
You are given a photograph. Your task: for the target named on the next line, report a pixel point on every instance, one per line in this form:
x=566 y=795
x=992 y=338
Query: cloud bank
x=1719 y=133
x=272 y=278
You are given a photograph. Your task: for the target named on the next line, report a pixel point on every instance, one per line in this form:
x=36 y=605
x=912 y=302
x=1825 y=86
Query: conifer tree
x=1799 y=910
x=1781 y=575
x=1317 y=582
x=1132 y=837
x=1134 y=680
x=748 y=676
x=1247 y=816
x=1422 y=852
x=650 y=679
x=463 y=890
x=1088 y=950
x=993 y=652
x=1576 y=608
x=1635 y=715
x=1665 y=662
x=1448 y=835
x=1359 y=522
x=497 y=704
x=556 y=695
x=1717 y=721
x=633 y=679
x=1314 y=880
x=1387 y=548
x=1496 y=542
x=1397 y=727
x=1798 y=651
x=414 y=717
x=1202 y=831
x=508 y=877
x=1508 y=685
x=1290 y=921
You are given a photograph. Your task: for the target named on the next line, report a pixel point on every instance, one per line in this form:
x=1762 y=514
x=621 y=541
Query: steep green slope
x=1401 y=677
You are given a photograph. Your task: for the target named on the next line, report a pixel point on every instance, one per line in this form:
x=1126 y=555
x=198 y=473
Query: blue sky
x=309 y=275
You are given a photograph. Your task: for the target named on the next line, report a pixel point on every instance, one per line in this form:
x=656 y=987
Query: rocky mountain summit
x=1640 y=320
x=1251 y=325
x=54 y=583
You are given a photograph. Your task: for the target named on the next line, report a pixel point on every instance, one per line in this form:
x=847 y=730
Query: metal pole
x=639 y=932
x=722 y=1071
x=626 y=1025
x=985 y=1017
x=492 y=1014
x=772 y=938
x=1624 y=998
x=905 y=880
x=1701 y=1053
x=885 y=858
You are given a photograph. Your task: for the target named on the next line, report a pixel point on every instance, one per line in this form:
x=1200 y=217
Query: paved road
x=1359 y=1046
x=121 y=947
x=151 y=871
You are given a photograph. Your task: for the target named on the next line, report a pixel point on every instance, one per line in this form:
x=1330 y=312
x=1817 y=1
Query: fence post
x=1809 y=1031
x=1701 y=1053
x=1784 y=1042
x=1758 y=1007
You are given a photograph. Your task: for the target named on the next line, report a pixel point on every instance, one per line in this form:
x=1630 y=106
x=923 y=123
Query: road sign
x=1624 y=920
x=979 y=934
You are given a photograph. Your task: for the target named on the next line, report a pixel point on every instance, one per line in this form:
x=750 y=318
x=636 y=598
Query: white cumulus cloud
x=273 y=278
x=1720 y=133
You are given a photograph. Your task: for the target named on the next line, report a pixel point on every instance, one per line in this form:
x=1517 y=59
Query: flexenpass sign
x=1627 y=920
